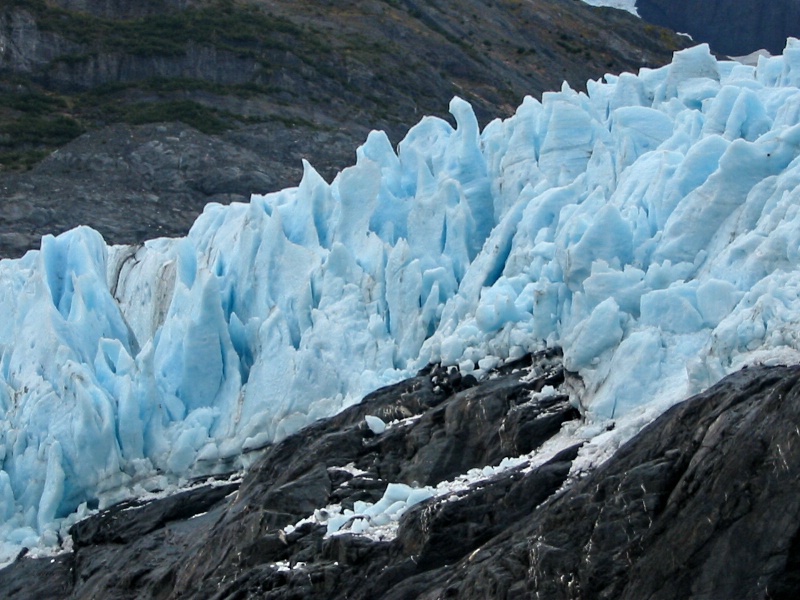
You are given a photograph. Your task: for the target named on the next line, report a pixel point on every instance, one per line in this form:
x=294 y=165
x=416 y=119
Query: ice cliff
x=650 y=228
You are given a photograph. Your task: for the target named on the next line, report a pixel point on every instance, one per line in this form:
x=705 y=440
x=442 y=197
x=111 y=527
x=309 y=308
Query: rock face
x=122 y=9
x=256 y=86
x=732 y=27
x=24 y=47
x=136 y=183
x=703 y=503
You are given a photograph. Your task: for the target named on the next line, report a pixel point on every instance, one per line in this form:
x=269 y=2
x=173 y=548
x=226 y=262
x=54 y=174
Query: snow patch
x=629 y=5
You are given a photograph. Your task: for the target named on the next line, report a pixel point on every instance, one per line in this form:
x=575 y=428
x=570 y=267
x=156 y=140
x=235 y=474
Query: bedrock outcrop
x=703 y=503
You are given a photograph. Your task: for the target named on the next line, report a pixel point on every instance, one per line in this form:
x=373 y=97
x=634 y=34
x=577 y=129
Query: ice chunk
x=375 y=424
x=591 y=337
x=716 y=299
x=639 y=129
x=692 y=63
x=672 y=309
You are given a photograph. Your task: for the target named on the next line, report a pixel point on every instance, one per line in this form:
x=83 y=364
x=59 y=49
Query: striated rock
x=703 y=504
x=231 y=543
x=438 y=534
x=24 y=48
x=196 y=62
x=129 y=521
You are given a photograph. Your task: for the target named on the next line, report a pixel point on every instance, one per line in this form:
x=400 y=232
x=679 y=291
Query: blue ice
x=649 y=227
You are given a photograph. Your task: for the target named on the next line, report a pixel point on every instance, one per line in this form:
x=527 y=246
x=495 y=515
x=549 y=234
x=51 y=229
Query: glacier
x=650 y=227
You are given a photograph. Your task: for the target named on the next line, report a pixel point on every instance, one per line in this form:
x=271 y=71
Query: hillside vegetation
x=278 y=81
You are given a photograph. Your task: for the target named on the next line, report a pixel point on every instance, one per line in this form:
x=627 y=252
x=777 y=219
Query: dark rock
x=702 y=504
x=122 y=9
x=25 y=48
x=128 y=521
x=301 y=495
x=441 y=532
x=41 y=578
x=732 y=27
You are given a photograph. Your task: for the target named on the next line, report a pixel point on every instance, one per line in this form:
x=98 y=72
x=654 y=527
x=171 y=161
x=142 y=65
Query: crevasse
x=650 y=227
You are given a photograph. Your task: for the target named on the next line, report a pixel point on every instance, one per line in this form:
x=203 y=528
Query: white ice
x=629 y=5
x=650 y=227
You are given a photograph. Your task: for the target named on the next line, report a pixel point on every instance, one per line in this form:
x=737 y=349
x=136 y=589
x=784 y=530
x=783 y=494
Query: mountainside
x=703 y=504
x=732 y=27
x=249 y=88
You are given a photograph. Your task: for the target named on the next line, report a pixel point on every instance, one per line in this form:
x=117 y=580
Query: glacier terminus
x=649 y=227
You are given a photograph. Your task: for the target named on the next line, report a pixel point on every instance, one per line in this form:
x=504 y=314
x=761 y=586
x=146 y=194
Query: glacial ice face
x=650 y=227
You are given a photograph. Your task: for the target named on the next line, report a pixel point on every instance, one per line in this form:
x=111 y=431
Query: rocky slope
x=732 y=27
x=246 y=89
x=702 y=504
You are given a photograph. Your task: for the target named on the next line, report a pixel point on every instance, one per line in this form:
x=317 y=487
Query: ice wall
x=651 y=228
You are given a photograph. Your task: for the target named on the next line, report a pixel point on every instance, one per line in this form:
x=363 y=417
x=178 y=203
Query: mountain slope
x=266 y=84
x=732 y=27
